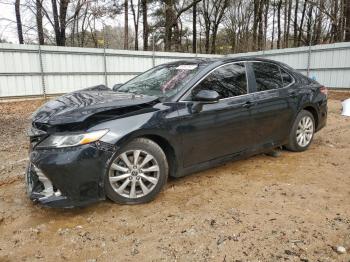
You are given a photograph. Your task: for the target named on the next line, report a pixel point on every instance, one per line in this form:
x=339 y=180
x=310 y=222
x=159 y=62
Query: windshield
x=161 y=81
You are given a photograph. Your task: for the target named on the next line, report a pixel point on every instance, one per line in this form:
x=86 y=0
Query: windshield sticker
x=186 y=67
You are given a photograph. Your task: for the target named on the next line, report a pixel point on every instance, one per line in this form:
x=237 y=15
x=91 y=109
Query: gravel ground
x=295 y=207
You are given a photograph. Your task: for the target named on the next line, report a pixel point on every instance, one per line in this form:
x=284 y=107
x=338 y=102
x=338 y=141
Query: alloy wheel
x=134 y=174
x=305 y=131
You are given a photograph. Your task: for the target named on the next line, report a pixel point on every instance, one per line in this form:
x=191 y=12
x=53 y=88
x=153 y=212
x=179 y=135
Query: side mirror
x=116 y=86
x=206 y=96
x=203 y=97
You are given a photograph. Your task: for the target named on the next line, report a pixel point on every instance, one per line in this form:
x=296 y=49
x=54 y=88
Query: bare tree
x=19 y=21
x=144 y=6
x=347 y=23
x=172 y=15
x=60 y=20
x=289 y=15
x=279 y=32
x=126 y=24
x=296 y=11
x=213 y=12
x=273 y=24
x=194 y=30
x=260 y=25
x=302 y=23
x=136 y=9
x=255 y=22
x=39 y=21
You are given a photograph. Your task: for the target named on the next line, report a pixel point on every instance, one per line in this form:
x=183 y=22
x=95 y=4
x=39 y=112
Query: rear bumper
x=68 y=177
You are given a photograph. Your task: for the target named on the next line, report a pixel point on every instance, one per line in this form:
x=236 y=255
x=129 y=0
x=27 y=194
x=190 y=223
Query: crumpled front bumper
x=67 y=177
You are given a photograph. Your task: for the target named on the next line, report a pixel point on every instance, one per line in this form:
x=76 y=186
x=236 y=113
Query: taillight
x=324 y=90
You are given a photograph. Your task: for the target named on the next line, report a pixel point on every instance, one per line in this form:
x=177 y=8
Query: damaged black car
x=175 y=119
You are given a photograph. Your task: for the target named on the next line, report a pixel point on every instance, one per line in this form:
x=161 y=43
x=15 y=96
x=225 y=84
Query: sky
x=7 y=28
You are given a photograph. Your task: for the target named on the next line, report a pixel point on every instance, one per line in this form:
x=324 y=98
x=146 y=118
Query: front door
x=221 y=128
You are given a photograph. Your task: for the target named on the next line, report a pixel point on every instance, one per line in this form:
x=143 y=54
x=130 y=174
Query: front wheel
x=137 y=173
x=302 y=132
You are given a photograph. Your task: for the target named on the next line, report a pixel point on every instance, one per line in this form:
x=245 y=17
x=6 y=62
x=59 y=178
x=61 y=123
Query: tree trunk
x=255 y=22
x=267 y=7
x=19 y=21
x=285 y=23
x=39 y=21
x=136 y=18
x=319 y=20
x=126 y=25
x=302 y=23
x=56 y=23
x=342 y=20
x=63 y=22
x=260 y=25
x=309 y=26
x=296 y=11
x=288 y=22
x=347 y=23
x=273 y=24
x=207 y=39
x=145 y=24
x=213 y=39
x=169 y=22
x=279 y=24
x=136 y=38
x=194 y=25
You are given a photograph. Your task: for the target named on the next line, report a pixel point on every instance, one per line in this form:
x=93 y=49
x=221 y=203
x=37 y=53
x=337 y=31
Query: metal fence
x=328 y=64
x=29 y=70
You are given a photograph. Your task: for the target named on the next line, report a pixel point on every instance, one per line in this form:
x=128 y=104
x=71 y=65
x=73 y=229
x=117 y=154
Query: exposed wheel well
x=168 y=150
x=314 y=113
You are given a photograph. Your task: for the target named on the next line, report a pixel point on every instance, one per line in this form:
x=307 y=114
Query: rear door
x=274 y=103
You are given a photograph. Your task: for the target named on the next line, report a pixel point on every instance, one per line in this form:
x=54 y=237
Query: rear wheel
x=137 y=173
x=302 y=132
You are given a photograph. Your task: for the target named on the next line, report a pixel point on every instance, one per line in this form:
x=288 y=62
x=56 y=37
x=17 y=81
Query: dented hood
x=78 y=106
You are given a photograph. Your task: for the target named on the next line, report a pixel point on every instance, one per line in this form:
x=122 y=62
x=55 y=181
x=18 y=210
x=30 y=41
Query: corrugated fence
x=29 y=70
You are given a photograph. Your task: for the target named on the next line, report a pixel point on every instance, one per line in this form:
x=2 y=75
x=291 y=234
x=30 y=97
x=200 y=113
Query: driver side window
x=228 y=80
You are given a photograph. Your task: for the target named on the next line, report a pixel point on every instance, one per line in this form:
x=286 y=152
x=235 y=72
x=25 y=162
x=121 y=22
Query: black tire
x=293 y=144
x=146 y=145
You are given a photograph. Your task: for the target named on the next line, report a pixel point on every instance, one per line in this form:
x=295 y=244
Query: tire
x=136 y=182
x=301 y=128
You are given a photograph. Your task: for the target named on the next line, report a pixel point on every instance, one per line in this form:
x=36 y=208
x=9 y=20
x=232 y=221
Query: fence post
x=105 y=64
x=308 y=61
x=42 y=72
x=153 y=52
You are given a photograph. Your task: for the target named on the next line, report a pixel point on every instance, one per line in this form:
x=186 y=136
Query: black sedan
x=172 y=120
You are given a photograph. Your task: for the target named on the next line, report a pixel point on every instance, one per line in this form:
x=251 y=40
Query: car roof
x=223 y=60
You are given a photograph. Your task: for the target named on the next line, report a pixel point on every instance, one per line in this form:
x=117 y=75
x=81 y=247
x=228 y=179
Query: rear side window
x=268 y=76
x=228 y=80
x=286 y=78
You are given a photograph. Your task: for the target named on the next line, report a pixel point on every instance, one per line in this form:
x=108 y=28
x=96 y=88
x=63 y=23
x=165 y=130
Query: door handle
x=293 y=93
x=248 y=104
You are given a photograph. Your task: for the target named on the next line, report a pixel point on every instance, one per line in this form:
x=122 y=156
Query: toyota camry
x=175 y=119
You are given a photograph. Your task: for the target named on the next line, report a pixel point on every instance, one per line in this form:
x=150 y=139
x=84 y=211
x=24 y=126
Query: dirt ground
x=295 y=207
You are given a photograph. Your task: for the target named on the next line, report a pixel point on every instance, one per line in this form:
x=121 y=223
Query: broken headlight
x=58 y=141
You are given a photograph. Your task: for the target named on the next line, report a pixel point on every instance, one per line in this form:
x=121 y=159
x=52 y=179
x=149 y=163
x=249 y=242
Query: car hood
x=80 y=105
